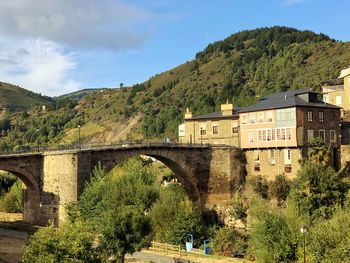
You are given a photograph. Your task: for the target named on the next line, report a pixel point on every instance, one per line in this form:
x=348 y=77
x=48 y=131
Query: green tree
x=328 y=240
x=318 y=190
x=271 y=237
x=174 y=217
x=70 y=243
x=11 y=202
x=116 y=207
x=319 y=152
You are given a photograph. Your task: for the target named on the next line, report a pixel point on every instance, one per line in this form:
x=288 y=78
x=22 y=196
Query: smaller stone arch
x=29 y=172
x=31 y=195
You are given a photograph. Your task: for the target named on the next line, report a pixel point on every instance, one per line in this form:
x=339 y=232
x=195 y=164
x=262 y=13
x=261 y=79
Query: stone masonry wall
x=59 y=186
x=270 y=171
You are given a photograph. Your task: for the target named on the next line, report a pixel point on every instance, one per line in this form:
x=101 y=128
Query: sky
x=54 y=47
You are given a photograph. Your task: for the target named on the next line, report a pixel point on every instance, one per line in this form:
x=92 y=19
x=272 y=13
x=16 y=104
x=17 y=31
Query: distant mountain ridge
x=15 y=98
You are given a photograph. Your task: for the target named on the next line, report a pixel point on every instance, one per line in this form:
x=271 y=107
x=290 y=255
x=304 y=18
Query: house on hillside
x=276 y=131
x=220 y=127
x=337 y=92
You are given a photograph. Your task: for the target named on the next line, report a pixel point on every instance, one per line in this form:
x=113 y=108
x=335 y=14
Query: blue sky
x=58 y=46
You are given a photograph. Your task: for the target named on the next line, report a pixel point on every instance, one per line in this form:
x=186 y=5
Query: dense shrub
x=279 y=189
x=70 y=243
x=261 y=186
x=272 y=238
x=228 y=241
x=174 y=217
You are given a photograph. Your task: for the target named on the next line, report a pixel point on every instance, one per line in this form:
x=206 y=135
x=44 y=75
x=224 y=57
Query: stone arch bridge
x=54 y=178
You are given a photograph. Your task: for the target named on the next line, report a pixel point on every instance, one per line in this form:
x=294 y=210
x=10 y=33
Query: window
x=283 y=134
x=215 y=129
x=256 y=160
x=268 y=135
x=264 y=135
x=269 y=117
x=203 y=130
x=251 y=137
x=332 y=136
x=273 y=134
x=338 y=100
x=331 y=116
x=310 y=135
x=287 y=156
x=288 y=134
x=325 y=98
x=286 y=117
x=252 y=118
x=272 y=157
x=321 y=116
x=322 y=134
x=244 y=118
x=261 y=117
x=309 y=115
x=235 y=129
x=278 y=132
x=260 y=135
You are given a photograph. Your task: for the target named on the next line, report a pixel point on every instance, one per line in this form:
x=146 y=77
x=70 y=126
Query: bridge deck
x=101 y=147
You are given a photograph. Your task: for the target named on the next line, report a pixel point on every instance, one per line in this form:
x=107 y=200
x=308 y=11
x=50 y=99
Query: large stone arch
x=28 y=170
x=183 y=164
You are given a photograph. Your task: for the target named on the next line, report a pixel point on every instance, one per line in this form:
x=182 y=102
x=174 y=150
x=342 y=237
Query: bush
x=227 y=240
x=279 y=189
x=12 y=202
x=261 y=186
x=69 y=243
x=239 y=210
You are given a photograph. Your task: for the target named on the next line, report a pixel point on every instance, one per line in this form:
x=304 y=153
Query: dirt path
x=12 y=245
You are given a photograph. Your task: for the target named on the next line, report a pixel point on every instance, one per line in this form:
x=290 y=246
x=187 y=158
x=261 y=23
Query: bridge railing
x=119 y=145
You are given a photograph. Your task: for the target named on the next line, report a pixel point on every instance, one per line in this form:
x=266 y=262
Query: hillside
x=15 y=98
x=242 y=68
x=78 y=95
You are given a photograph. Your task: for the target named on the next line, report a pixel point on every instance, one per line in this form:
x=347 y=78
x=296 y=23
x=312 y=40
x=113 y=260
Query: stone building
x=276 y=131
x=337 y=91
x=220 y=127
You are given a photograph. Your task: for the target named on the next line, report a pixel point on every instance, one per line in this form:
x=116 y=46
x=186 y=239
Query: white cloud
x=39 y=65
x=111 y=24
x=37 y=32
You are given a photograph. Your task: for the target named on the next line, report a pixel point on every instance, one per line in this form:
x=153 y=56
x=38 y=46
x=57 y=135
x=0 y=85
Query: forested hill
x=242 y=68
x=15 y=98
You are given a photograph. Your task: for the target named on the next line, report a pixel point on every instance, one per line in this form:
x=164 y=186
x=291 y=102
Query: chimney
x=188 y=114
x=227 y=109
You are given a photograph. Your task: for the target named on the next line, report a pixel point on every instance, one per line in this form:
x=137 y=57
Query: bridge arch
x=178 y=163
x=31 y=195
